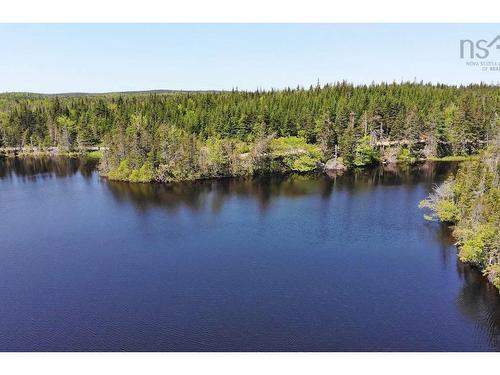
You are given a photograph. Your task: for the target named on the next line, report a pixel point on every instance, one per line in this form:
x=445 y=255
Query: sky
x=58 y=58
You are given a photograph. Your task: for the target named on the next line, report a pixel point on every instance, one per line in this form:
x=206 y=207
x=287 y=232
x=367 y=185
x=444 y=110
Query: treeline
x=471 y=202
x=176 y=136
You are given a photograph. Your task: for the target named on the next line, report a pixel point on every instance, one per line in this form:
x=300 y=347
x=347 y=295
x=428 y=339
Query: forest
x=471 y=203
x=175 y=136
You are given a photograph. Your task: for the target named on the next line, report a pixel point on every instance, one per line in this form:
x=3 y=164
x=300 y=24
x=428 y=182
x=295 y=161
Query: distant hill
x=73 y=94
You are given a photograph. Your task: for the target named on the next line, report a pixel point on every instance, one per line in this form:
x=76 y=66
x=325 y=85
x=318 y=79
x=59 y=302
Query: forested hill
x=21 y=94
x=183 y=135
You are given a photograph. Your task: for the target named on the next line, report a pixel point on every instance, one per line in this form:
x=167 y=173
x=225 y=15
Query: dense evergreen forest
x=190 y=135
x=471 y=202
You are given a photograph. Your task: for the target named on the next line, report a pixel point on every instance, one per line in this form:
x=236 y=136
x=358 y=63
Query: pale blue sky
x=115 y=57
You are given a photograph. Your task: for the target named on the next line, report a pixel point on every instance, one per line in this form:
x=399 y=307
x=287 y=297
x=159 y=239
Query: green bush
x=494 y=272
x=475 y=248
x=287 y=145
x=242 y=148
x=144 y=174
x=121 y=173
x=304 y=163
x=405 y=156
x=365 y=154
x=447 y=211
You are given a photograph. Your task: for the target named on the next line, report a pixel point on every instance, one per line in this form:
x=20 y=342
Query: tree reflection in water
x=479 y=301
x=46 y=167
x=198 y=194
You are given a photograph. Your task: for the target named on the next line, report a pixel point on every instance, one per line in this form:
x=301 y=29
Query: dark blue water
x=270 y=264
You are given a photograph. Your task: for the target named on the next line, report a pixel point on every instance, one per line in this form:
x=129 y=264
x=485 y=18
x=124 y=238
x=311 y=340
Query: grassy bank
x=455 y=158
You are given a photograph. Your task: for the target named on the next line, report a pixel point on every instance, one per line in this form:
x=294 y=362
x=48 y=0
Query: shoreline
x=95 y=152
x=56 y=151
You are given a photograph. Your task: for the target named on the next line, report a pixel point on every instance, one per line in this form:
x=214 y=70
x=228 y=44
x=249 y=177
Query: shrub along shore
x=471 y=203
x=276 y=156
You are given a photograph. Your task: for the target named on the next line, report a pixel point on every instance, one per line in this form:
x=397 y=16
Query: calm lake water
x=297 y=263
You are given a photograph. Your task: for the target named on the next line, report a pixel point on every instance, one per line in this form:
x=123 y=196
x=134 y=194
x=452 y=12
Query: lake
x=290 y=263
